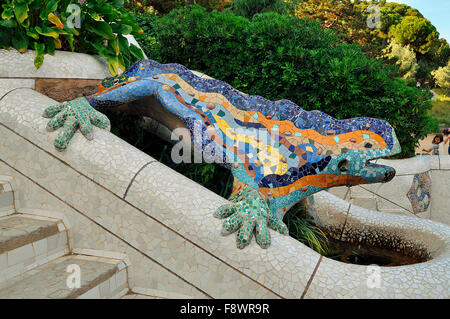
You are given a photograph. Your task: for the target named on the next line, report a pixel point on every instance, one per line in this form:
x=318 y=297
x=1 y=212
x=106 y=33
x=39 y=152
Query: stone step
x=27 y=241
x=6 y=196
x=71 y=276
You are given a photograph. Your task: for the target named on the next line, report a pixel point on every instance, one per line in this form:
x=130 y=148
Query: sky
x=437 y=11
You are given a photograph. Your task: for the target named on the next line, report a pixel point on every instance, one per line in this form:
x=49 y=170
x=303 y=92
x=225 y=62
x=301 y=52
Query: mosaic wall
x=277 y=152
x=420 y=192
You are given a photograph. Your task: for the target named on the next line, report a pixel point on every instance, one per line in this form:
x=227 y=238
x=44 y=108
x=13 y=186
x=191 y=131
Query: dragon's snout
x=389 y=175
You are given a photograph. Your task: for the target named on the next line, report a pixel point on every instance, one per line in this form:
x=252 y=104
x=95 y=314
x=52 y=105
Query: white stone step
x=27 y=241
x=98 y=277
x=6 y=196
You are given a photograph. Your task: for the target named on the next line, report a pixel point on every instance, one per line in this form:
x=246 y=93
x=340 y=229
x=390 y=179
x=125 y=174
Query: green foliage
x=406 y=24
x=404 y=58
x=283 y=57
x=304 y=229
x=52 y=24
x=248 y=8
x=147 y=39
x=441 y=111
x=162 y=7
x=416 y=32
x=348 y=19
x=392 y=13
x=442 y=76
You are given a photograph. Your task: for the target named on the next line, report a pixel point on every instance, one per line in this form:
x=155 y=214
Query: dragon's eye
x=116 y=81
x=368 y=145
x=343 y=165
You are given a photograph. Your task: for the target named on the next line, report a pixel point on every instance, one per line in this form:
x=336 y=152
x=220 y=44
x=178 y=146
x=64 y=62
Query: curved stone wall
x=419 y=189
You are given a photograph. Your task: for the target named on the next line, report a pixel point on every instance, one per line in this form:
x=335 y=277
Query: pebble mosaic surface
x=277 y=152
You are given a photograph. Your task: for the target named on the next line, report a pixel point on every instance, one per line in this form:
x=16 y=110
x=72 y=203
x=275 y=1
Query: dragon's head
x=347 y=149
x=334 y=153
x=359 y=142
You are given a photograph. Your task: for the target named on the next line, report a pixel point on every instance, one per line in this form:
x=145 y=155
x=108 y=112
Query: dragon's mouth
x=382 y=173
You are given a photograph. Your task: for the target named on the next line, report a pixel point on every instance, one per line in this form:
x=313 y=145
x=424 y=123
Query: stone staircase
x=36 y=260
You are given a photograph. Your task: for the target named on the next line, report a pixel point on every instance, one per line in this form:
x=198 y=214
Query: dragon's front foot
x=71 y=115
x=249 y=213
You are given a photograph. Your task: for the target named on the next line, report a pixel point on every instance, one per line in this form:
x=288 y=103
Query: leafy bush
x=404 y=58
x=162 y=7
x=417 y=32
x=442 y=76
x=53 y=24
x=284 y=57
x=248 y=8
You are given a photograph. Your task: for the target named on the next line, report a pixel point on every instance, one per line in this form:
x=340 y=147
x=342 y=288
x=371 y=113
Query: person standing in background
x=437 y=140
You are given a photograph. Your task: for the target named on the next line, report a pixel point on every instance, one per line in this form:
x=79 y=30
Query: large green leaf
x=114 y=45
x=51 y=6
x=32 y=33
x=102 y=29
x=113 y=64
x=39 y=54
x=48 y=32
x=7 y=13
x=50 y=45
x=21 y=11
x=123 y=45
x=121 y=28
x=136 y=52
x=20 y=41
x=70 y=40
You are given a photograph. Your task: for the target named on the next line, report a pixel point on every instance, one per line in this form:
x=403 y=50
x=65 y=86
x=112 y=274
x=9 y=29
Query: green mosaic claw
x=247 y=214
x=71 y=115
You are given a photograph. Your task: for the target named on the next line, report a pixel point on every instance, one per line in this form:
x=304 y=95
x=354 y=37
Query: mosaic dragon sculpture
x=277 y=152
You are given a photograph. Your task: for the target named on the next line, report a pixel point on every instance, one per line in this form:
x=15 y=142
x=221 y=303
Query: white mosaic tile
x=444 y=162
x=413 y=165
x=107 y=159
x=439 y=210
x=63 y=64
x=424 y=280
x=187 y=207
x=6 y=85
